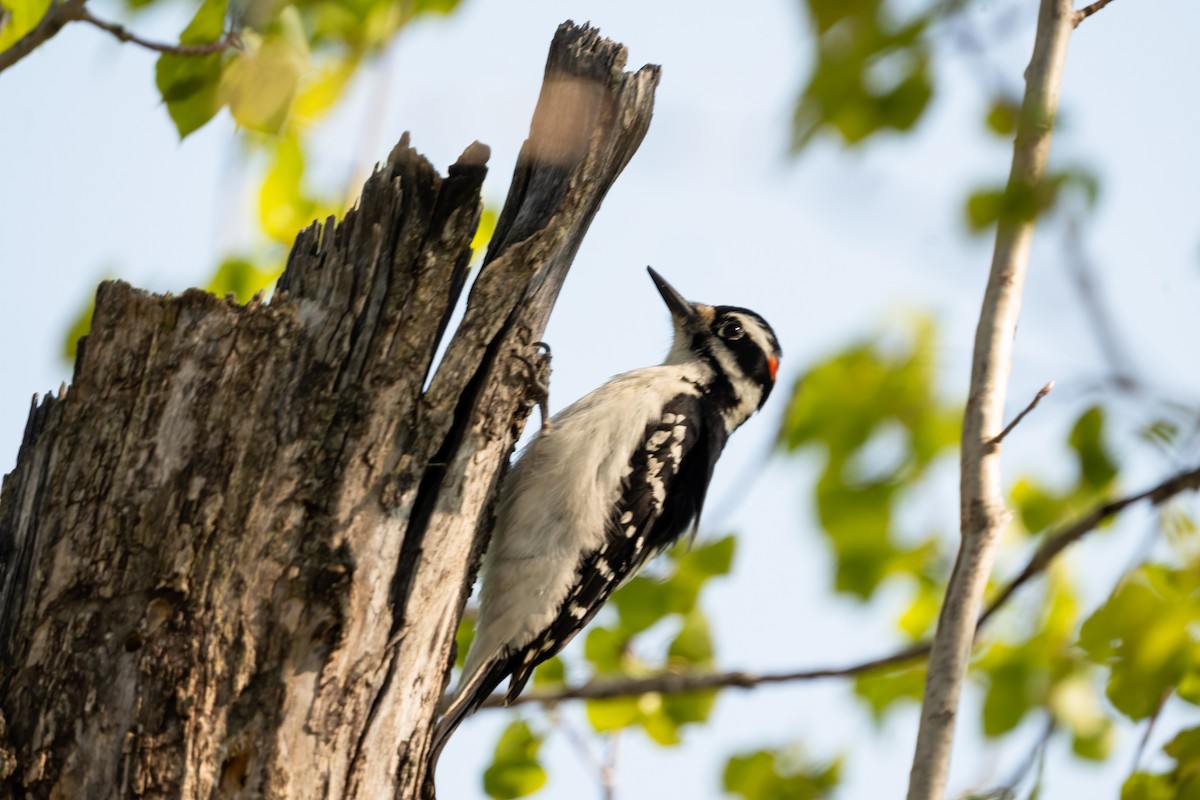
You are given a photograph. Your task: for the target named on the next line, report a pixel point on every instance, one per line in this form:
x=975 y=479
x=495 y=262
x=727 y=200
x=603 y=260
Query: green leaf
x=1189 y=688
x=779 y=775
x=693 y=645
x=687 y=709
x=1143 y=786
x=1011 y=692
x=283 y=207
x=242 y=279
x=641 y=603
x=883 y=690
x=709 y=559
x=1097 y=746
x=260 y=82
x=551 y=672
x=484 y=232
x=605 y=649
x=659 y=726
x=1037 y=507
x=613 y=714
x=1144 y=633
x=1002 y=116
x=871 y=73
x=23 y=16
x=463 y=636
x=1075 y=703
x=320 y=90
x=872 y=404
x=515 y=771
x=1096 y=468
x=188 y=84
x=1182 y=782
x=79 y=328
x=922 y=612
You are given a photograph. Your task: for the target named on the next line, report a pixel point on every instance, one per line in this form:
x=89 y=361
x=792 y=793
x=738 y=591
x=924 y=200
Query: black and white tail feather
x=615 y=479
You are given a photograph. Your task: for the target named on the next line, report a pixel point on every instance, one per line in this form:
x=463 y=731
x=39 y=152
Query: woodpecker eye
x=731 y=331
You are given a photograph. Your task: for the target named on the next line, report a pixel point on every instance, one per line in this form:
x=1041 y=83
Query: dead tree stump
x=233 y=555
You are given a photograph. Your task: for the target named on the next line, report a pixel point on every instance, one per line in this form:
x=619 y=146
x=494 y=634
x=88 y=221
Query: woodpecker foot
x=539 y=380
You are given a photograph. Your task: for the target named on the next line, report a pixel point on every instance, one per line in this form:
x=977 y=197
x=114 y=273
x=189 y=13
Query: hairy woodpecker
x=615 y=479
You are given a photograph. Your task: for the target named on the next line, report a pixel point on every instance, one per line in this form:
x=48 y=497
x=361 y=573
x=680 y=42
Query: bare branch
x=60 y=14
x=983 y=515
x=682 y=683
x=1057 y=542
x=56 y=16
x=1087 y=11
x=1096 y=311
x=1037 y=398
x=230 y=39
x=1150 y=723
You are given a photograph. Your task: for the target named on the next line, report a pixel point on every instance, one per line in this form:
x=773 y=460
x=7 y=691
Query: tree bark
x=982 y=510
x=233 y=556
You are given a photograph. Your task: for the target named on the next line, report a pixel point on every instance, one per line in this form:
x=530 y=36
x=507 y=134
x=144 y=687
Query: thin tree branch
x=682 y=683
x=1057 y=542
x=1087 y=11
x=58 y=15
x=1150 y=723
x=983 y=515
x=1037 y=398
x=608 y=771
x=1096 y=311
x=229 y=39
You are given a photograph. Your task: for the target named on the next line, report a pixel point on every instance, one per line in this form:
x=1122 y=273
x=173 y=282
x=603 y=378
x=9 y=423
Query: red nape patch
x=772 y=366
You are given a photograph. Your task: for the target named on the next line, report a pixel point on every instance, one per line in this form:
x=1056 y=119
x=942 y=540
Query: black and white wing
x=663 y=495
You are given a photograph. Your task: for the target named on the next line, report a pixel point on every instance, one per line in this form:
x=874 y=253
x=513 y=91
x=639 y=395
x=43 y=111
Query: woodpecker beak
x=680 y=308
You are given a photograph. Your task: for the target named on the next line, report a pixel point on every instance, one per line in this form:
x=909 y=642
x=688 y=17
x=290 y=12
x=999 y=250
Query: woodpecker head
x=737 y=343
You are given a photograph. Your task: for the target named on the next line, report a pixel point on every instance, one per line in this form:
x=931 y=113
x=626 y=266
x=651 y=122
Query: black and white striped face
x=736 y=342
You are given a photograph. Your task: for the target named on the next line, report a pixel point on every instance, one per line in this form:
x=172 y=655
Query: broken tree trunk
x=234 y=554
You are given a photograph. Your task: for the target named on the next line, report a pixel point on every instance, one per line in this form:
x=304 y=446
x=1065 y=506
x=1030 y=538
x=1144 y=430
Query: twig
x=1037 y=398
x=1087 y=11
x=608 y=772
x=1150 y=723
x=56 y=16
x=60 y=14
x=580 y=745
x=1097 y=313
x=229 y=39
x=682 y=683
x=1059 y=541
x=982 y=501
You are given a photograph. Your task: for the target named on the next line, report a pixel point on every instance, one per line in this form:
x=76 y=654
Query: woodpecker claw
x=539 y=380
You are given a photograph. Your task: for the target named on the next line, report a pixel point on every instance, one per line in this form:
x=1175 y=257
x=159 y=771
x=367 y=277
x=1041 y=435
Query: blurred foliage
x=869 y=413
x=20 y=19
x=515 y=771
x=1042 y=671
x=287 y=68
x=1038 y=507
x=881 y=691
x=1023 y=202
x=780 y=775
x=1181 y=782
x=871 y=72
x=1148 y=635
x=654 y=625
x=872 y=411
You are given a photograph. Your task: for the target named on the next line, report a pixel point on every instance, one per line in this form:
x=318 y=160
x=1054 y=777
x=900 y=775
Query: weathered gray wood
x=234 y=554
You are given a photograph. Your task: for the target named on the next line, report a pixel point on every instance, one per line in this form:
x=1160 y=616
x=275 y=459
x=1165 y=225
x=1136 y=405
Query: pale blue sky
x=828 y=247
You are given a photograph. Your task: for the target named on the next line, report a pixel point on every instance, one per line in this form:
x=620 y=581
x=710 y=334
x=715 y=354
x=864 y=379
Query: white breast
x=556 y=501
